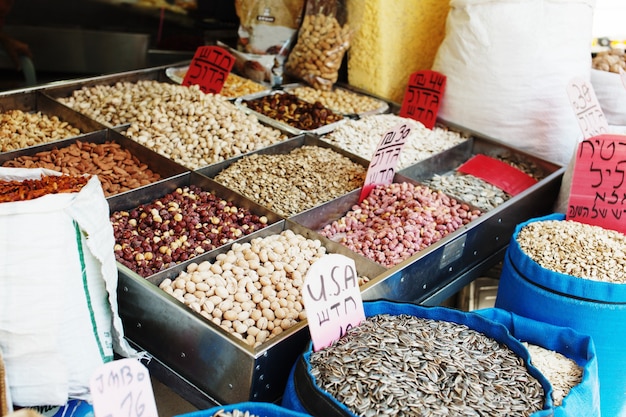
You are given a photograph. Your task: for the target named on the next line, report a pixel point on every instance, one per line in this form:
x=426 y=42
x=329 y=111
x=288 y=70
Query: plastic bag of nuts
x=323 y=39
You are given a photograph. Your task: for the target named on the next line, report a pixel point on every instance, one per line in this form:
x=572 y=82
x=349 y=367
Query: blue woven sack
x=594 y=308
x=303 y=395
x=260 y=409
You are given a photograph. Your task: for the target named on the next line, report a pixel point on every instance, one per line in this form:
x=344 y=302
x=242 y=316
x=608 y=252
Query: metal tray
x=165 y=167
x=34 y=101
x=207 y=357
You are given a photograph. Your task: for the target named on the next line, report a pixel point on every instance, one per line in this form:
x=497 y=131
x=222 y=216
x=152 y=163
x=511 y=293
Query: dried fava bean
x=289 y=109
x=291 y=183
x=117 y=169
x=361 y=137
x=182 y=123
x=177 y=227
x=254 y=301
x=562 y=372
x=576 y=249
x=410 y=366
x=19 y=129
x=398 y=220
x=339 y=100
x=30 y=189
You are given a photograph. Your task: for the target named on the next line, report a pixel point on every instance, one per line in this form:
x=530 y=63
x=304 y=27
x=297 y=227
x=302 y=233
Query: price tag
x=598 y=192
x=382 y=167
x=622 y=75
x=209 y=68
x=122 y=388
x=423 y=96
x=590 y=116
x=332 y=299
x=504 y=176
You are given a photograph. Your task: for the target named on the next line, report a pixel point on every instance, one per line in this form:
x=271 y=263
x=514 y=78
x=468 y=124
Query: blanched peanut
x=19 y=129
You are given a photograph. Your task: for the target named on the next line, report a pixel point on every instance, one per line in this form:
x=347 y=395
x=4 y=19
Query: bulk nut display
x=181 y=123
x=398 y=220
x=611 y=61
x=253 y=290
x=292 y=183
x=289 y=109
x=407 y=366
x=11 y=191
x=19 y=129
x=117 y=168
x=339 y=100
x=237 y=86
x=361 y=137
x=319 y=50
x=576 y=249
x=179 y=226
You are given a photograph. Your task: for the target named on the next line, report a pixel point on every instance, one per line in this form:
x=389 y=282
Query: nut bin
x=143 y=165
x=207 y=356
x=48 y=120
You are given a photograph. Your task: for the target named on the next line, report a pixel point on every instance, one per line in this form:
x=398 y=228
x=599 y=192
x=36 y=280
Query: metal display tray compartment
x=224 y=368
x=32 y=101
x=443 y=268
x=165 y=167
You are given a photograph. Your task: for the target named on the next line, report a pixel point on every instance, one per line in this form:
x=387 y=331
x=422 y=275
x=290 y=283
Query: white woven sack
x=58 y=292
x=508 y=64
x=611 y=94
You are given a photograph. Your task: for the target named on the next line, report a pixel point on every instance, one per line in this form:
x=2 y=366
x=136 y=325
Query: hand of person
x=15 y=49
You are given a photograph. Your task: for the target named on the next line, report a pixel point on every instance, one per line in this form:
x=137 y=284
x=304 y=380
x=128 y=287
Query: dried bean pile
x=562 y=372
x=252 y=291
x=576 y=249
x=177 y=227
x=339 y=100
x=292 y=183
x=469 y=189
x=409 y=366
x=117 y=169
x=11 y=191
x=19 y=129
x=181 y=123
x=289 y=109
x=361 y=137
x=398 y=220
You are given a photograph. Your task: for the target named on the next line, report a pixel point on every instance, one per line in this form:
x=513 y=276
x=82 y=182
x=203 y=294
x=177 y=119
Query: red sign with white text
x=382 y=167
x=422 y=97
x=209 y=68
x=504 y=176
x=598 y=192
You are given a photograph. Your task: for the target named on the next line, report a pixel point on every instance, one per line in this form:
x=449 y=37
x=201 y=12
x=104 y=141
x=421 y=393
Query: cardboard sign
x=332 y=299
x=590 y=116
x=504 y=176
x=209 y=68
x=382 y=167
x=598 y=192
x=423 y=96
x=122 y=388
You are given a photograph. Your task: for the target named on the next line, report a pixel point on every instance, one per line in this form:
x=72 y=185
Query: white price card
x=122 y=388
x=585 y=104
x=332 y=299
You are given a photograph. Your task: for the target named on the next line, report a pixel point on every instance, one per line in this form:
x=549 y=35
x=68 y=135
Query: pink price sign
x=122 y=388
x=209 y=68
x=382 y=167
x=585 y=104
x=422 y=97
x=598 y=192
x=332 y=299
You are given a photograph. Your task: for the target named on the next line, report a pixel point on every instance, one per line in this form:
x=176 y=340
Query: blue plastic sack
x=260 y=409
x=597 y=309
x=323 y=403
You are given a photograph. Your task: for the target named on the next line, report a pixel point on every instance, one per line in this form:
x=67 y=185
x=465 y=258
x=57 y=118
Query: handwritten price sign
x=622 y=75
x=382 y=167
x=332 y=299
x=598 y=195
x=122 y=388
x=590 y=116
x=209 y=68
x=423 y=96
